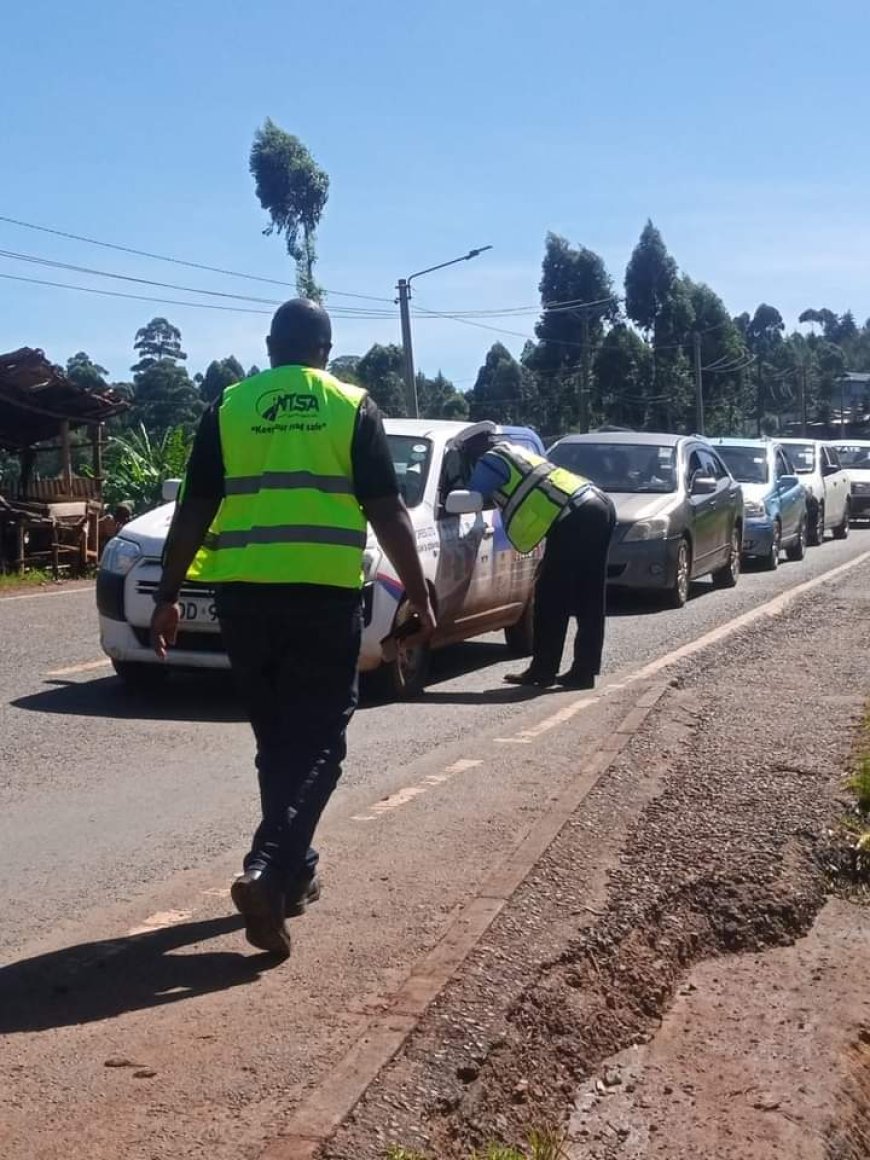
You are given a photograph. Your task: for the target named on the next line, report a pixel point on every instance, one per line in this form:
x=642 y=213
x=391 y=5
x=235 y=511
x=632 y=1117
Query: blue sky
x=739 y=128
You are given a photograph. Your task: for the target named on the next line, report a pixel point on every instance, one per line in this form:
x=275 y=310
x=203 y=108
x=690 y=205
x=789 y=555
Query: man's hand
x=164 y=628
x=428 y=622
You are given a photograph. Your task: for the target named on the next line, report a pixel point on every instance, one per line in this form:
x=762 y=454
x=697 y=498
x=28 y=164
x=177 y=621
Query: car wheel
x=816 y=533
x=407 y=673
x=520 y=637
x=841 y=531
x=770 y=563
x=727 y=576
x=141 y=678
x=798 y=549
x=677 y=595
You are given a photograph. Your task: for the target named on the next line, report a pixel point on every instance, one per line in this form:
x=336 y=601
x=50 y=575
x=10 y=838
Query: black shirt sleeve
x=374 y=476
x=205 y=468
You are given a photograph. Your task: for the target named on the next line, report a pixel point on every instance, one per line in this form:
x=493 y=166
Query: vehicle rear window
x=853 y=455
x=803 y=456
x=411 y=457
x=626 y=467
x=746 y=464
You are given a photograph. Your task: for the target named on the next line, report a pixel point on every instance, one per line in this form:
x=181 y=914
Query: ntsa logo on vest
x=275 y=405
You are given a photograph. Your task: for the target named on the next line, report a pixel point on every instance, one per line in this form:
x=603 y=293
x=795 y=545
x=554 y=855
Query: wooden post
x=66 y=457
x=97 y=445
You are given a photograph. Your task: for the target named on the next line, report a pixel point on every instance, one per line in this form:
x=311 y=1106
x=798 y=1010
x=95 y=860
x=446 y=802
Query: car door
x=791 y=500
x=723 y=505
x=463 y=578
x=836 y=486
x=702 y=509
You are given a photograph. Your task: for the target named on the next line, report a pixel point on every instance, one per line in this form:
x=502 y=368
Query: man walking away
x=540 y=501
x=286 y=468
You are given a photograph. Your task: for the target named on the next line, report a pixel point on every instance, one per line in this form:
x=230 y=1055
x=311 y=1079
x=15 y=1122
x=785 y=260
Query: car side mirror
x=169 y=491
x=703 y=485
x=829 y=469
x=463 y=503
x=787 y=482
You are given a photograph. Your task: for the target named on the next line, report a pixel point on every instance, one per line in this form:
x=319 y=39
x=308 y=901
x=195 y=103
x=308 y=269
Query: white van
x=478 y=581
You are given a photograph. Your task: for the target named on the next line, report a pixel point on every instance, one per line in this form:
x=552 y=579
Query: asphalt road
x=123 y=818
x=103 y=793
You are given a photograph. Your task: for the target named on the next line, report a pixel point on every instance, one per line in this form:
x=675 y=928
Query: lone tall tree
x=293 y=189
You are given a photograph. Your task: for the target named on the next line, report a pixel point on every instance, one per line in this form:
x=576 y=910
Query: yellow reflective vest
x=289 y=513
x=534 y=496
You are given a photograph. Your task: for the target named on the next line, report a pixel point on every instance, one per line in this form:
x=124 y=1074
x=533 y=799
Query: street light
x=404 y=288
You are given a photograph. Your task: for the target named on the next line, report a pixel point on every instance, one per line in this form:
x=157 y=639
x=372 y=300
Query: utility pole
x=584 y=375
x=404 y=299
x=842 y=408
x=699 y=386
x=803 y=398
x=411 y=401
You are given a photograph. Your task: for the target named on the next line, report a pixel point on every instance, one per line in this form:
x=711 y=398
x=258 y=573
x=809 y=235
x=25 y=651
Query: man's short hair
x=300 y=329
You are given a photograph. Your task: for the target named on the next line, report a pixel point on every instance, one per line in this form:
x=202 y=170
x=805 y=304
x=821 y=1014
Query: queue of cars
x=687 y=507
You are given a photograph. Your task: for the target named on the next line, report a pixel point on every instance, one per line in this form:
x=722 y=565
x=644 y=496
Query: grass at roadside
x=848 y=859
x=541 y=1146
x=10 y=581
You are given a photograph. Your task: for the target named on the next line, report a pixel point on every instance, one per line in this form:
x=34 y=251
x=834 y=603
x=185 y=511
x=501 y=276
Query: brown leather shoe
x=260 y=902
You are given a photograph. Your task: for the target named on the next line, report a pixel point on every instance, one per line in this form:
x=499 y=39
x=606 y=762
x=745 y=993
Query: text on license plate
x=198 y=611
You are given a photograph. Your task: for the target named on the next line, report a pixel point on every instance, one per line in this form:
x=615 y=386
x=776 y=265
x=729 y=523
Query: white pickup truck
x=478 y=581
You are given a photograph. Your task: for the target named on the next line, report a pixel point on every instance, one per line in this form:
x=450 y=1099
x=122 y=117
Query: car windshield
x=803 y=456
x=852 y=455
x=746 y=464
x=411 y=456
x=633 y=467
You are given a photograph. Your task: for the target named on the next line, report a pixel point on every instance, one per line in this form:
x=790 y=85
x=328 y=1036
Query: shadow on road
x=99 y=980
x=210 y=696
x=203 y=696
x=628 y=602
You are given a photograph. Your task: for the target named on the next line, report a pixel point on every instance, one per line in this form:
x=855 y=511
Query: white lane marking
x=409 y=793
x=160 y=921
x=770 y=608
x=87 y=667
x=45 y=595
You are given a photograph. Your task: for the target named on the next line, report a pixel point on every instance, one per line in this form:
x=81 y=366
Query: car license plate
x=197 y=613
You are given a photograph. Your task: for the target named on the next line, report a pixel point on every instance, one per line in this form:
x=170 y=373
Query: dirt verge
x=702 y=842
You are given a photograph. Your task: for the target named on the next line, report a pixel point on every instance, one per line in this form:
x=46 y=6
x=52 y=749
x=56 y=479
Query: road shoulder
x=698 y=850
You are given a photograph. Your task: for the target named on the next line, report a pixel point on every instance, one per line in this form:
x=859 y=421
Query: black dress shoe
x=575 y=679
x=531 y=678
x=260 y=901
x=297 y=901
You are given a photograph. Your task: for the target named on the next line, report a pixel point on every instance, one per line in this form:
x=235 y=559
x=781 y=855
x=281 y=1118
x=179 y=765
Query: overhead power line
x=175 y=261
x=136 y=297
x=35 y=259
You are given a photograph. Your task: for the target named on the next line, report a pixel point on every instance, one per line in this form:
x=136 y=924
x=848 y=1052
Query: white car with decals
x=479 y=583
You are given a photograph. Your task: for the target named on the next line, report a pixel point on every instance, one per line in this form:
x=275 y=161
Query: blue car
x=775 y=500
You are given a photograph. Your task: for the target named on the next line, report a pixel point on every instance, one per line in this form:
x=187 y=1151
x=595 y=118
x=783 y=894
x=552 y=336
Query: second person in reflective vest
x=540 y=501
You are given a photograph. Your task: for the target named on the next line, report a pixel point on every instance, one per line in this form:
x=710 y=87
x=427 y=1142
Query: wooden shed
x=50 y=520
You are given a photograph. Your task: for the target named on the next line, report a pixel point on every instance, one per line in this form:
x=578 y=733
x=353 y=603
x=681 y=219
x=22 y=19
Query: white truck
x=478 y=582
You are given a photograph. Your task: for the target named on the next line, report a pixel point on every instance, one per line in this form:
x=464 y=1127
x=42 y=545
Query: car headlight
x=754 y=508
x=119 y=556
x=653 y=529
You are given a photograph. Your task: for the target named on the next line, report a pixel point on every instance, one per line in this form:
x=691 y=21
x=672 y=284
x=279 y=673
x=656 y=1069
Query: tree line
x=603 y=358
